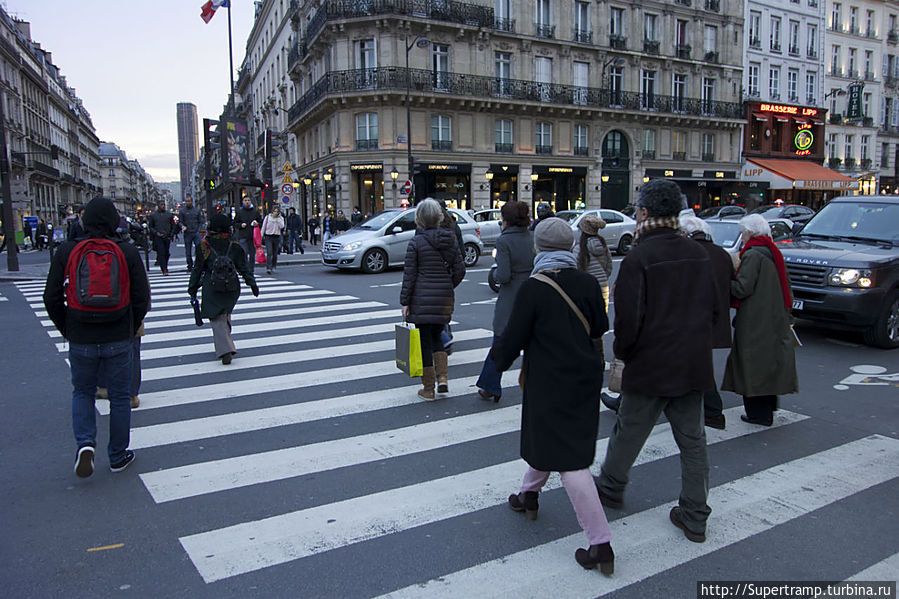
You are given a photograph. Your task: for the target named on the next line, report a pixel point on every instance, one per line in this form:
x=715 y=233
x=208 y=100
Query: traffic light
x=264 y=191
x=212 y=138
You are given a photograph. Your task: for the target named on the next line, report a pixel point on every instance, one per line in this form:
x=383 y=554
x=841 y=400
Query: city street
x=309 y=467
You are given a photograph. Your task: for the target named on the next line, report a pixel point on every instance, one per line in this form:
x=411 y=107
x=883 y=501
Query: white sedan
x=618 y=232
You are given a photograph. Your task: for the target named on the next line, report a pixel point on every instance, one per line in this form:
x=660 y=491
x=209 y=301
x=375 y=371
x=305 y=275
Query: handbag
x=260 y=256
x=408 y=349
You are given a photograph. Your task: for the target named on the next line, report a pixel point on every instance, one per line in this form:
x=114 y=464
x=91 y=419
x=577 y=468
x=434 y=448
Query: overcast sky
x=131 y=62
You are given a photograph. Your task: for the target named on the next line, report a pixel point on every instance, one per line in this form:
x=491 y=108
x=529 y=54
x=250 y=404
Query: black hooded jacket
x=100 y=221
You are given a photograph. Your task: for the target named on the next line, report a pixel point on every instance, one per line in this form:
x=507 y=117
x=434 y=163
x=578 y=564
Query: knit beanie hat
x=553 y=234
x=219 y=223
x=591 y=224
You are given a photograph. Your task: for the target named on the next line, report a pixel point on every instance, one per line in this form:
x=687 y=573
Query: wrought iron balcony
x=775 y=46
x=793 y=50
x=708 y=157
x=618 y=42
x=651 y=46
x=649 y=154
x=421 y=81
x=580 y=151
x=871 y=33
x=679 y=156
x=755 y=43
x=543 y=150
x=582 y=37
x=504 y=24
x=866 y=163
x=683 y=51
x=547 y=31
x=869 y=75
x=811 y=53
x=444 y=145
x=503 y=148
x=366 y=144
x=849 y=162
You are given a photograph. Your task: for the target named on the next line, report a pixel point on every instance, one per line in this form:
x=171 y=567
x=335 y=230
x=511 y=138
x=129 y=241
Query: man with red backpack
x=97 y=295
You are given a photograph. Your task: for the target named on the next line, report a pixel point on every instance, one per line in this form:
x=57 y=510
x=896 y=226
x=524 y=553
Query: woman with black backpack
x=219 y=262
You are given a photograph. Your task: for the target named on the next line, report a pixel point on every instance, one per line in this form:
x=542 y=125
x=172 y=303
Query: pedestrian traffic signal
x=210 y=184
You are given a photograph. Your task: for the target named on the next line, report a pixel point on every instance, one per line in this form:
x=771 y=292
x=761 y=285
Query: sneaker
x=135 y=402
x=84 y=461
x=126 y=461
x=677 y=520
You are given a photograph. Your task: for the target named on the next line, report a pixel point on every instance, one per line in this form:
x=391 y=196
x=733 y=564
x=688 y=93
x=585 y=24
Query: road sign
x=286 y=199
x=287 y=179
x=286 y=168
x=407 y=187
x=287 y=189
x=401 y=139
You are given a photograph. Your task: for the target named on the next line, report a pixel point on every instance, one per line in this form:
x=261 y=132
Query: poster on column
x=235 y=148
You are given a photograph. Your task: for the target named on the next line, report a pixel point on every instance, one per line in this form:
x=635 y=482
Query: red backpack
x=99 y=286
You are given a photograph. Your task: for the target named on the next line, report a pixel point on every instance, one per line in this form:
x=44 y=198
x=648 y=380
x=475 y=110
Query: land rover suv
x=844 y=267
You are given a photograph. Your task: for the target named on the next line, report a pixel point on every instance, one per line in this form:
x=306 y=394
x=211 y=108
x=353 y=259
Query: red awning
x=759 y=116
x=782 y=119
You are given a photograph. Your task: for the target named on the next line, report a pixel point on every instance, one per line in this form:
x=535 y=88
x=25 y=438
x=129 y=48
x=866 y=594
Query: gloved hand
x=255 y=290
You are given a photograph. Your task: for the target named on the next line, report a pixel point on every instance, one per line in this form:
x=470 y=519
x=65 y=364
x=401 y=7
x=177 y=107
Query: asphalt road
x=309 y=467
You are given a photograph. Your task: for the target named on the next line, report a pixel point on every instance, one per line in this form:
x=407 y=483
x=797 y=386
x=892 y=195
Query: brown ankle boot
x=427 y=381
x=442 y=370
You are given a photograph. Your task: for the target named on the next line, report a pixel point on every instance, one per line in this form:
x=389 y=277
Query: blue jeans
x=190 y=239
x=294 y=241
x=491 y=378
x=86 y=362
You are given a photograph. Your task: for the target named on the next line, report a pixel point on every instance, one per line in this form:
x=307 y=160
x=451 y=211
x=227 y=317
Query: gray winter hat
x=553 y=234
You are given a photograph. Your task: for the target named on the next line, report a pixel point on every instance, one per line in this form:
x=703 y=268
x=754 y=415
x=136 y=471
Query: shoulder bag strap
x=545 y=279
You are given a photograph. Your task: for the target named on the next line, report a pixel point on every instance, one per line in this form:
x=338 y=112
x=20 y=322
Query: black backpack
x=224 y=273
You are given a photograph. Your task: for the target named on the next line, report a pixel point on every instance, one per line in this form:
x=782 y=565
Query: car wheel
x=885 y=332
x=491 y=280
x=471 y=254
x=624 y=245
x=374 y=261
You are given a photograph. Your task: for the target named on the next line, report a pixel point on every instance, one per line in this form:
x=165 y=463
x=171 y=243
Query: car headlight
x=851 y=277
x=352 y=246
x=493 y=253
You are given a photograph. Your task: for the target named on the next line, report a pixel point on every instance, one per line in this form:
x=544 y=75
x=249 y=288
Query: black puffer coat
x=432 y=270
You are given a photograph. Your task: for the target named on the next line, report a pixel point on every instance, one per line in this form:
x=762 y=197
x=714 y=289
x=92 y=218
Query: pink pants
x=584 y=498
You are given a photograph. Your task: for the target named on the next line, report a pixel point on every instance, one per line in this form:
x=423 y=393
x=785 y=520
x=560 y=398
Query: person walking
x=99 y=340
x=191 y=220
x=328 y=228
x=219 y=262
x=76 y=229
x=341 y=223
x=314 y=229
x=294 y=232
x=558 y=320
x=514 y=262
x=245 y=219
x=273 y=226
x=762 y=362
x=544 y=211
x=42 y=239
x=664 y=313
x=723 y=272
x=162 y=230
x=592 y=253
x=356 y=217
x=433 y=268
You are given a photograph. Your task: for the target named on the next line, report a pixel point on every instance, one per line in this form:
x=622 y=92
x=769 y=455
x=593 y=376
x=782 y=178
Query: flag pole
x=231 y=56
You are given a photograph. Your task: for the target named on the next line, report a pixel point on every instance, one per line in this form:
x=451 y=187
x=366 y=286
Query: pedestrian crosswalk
x=311 y=451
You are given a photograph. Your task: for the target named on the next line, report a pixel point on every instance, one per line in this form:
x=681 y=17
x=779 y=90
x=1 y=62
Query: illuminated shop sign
x=804 y=140
x=560 y=169
x=366 y=167
x=787 y=109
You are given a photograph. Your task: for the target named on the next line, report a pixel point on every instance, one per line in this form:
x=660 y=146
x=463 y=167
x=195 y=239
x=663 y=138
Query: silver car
x=490 y=222
x=726 y=233
x=380 y=241
x=618 y=232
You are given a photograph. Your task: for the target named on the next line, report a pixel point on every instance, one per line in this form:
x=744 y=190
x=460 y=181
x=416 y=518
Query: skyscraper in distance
x=188 y=144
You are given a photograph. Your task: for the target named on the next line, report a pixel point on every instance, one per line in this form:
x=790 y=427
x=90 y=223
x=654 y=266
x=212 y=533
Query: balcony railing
x=869 y=75
x=543 y=150
x=547 y=31
x=444 y=145
x=713 y=5
x=793 y=50
x=679 y=156
x=836 y=119
x=366 y=144
x=775 y=46
x=755 y=43
x=866 y=163
x=683 y=51
x=683 y=2
x=867 y=121
x=711 y=57
x=424 y=81
x=504 y=24
x=893 y=36
x=582 y=37
x=708 y=157
x=651 y=46
x=618 y=42
x=849 y=162
x=834 y=162
x=836 y=71
x=649 y=154
x=871 y=33
x=503 y=148
x=580 y=151
x=811 y=53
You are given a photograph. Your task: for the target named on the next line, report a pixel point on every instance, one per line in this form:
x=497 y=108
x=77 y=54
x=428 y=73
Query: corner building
x=573 y=103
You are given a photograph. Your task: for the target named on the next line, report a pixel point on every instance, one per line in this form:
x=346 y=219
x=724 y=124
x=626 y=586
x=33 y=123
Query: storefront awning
x=759 y=116
x=782 y=173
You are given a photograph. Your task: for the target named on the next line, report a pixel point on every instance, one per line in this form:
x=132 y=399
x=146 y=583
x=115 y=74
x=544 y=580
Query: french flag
x=208 y=9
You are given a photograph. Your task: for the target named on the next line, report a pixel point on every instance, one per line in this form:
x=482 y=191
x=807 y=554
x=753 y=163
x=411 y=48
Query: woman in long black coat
x=562 y=367
x=433 y=268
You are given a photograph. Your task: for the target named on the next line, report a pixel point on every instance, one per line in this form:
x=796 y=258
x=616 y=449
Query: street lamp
x=422 y=42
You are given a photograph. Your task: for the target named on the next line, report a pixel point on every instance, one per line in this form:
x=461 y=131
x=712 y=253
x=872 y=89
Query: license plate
x=797 y=304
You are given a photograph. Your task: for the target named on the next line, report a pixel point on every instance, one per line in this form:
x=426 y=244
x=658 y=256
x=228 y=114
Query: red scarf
x=765 y=241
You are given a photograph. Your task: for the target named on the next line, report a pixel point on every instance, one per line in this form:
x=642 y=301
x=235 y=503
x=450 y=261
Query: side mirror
x=396 y=230
x=797 y=227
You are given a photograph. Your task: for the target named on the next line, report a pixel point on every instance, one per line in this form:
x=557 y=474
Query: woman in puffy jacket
x=592 y=252
x=432 y=270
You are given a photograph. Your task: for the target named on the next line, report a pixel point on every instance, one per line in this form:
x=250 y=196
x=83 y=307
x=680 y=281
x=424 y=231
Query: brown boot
x=427 y=381
x=442 y=370
x=102 y=393
x=135 y=401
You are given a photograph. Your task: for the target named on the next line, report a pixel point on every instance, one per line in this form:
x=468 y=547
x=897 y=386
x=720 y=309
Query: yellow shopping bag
x=408 y=349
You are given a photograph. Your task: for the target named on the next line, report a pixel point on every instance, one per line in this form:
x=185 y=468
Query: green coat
x=215 y=303
x=762 y=360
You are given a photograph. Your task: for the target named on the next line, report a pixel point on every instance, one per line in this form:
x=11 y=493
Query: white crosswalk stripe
x=311 y=357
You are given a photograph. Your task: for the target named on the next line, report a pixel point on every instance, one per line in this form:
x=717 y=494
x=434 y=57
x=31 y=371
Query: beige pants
x=221 y=334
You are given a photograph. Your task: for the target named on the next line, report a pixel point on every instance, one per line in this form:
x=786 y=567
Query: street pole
x=409 y=120
x=231 y=57
x=9 y=225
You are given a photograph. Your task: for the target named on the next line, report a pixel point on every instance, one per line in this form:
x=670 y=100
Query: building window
x=616 y=23
x=811 y=95
x=774 y=83
x=441 y=135
x=367 y=130
x=616 y=85
x=866 y=105
x=869 y=24
x=651 y=27
x=884 y=155
x=649 y=144
x=503 y=72
x=755 y=23
x=754 y=79
x=544 y=140
x=440 y=65
x=681 y=33
x=853 y=19
x=111 y=173
x=812 y=51
x=869 y=65
x=836 y=16
x=580 y=76
x=708 y=95
x=792 y=85
x=543 y=68
x=581 y=21
x=832 y=146
x=863 y=150
x=679 y=145
x=853 y=72
x=502 y=14
x=544 y=18
x=710 y=41
x=679 y=92
x=708 y=147
x=849 y=149
x=794 y=38
x=648 y=90
x=503 y=135
x=581 y=135
x=835 y=68
x=775 y=34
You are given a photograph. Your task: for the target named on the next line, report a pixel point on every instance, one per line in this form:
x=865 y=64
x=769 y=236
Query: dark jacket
x=101 y=222
x=562 y=368
x=213 y=302
x=76 y=230
x=514 y=262
x=723 y=273
x=665 y=308
x=161 y=222
x=294 y=223
x=763 y=360
x=433 y=268
x=340 y=225
x=192 y=219
x=356 y=218
x=245 y=216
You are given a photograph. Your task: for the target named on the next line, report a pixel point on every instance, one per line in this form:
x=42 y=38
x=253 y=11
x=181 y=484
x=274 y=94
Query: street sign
x=407 y=187
x=401 y=139
x=286 y=199
x=286 y=168
x=287 y=189
x=286 y=179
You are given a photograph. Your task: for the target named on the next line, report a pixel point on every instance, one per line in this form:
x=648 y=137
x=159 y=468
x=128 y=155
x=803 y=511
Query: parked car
x=490 y=222
x=380 y=241
x=795 y=212
x=726 y=234
x=844 y=267
x=722 y=211
x=618 y=232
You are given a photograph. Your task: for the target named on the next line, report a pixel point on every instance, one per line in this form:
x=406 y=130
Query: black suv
x=844 y=267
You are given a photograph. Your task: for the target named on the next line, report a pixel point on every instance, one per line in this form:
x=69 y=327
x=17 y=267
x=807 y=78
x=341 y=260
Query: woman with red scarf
x=762 y=362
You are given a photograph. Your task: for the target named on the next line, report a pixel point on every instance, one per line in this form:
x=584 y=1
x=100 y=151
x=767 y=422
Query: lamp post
x=421 y=42
x=393 y=175
x=489 y=176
